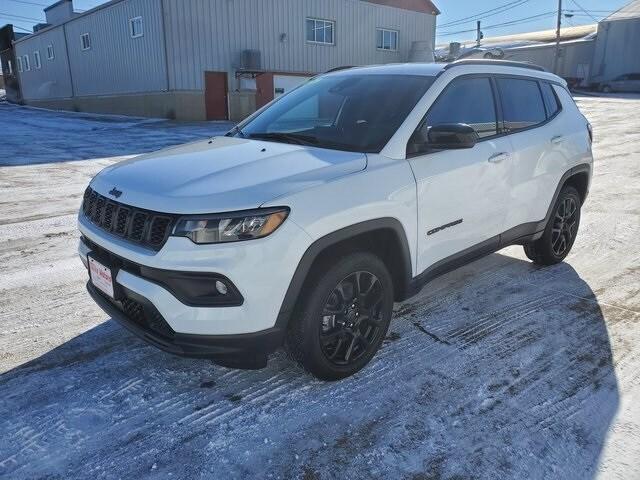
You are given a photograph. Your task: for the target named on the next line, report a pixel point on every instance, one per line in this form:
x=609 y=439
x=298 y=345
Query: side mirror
x=446 y=136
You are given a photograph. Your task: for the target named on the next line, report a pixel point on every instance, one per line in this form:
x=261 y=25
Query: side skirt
x=514 y=236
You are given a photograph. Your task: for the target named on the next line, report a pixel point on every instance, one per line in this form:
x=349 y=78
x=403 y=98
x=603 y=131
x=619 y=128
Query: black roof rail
x=337 y=69
x=500 y=63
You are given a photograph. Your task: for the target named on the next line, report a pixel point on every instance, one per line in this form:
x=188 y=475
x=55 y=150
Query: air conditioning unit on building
x=421 y=52
x=250 y=60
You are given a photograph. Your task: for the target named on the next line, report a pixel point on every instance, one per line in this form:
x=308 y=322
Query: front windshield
x=355 y=112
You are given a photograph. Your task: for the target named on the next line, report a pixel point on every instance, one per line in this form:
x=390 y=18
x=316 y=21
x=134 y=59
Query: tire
x=560 y=232
x=332 y=334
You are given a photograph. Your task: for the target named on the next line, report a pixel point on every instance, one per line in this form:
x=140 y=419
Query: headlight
x=231 y=227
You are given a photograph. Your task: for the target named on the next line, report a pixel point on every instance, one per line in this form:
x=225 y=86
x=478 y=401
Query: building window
x=387 y=39
x=50 y=53
x=19 y=64
x=25 y=62
x=85 y=41
x=136 y=28
x=36 y=60
x=320 y=31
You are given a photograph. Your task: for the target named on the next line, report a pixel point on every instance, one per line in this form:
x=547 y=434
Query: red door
x=264 y=84
x=215 y=95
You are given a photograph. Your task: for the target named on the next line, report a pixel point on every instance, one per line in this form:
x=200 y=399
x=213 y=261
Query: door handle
x=498 y=157
x=557 y=140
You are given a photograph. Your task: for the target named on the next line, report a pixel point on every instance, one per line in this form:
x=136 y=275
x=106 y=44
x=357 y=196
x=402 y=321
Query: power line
x=20 y=17
x=30 y=3
x=504 y=24
x=602 y=15
x=580 y=7
x=473 y=17
x=486 y=13
x=592 y=11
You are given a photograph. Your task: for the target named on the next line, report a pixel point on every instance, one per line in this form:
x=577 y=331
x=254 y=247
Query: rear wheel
x=344 y=318
x=560 y=233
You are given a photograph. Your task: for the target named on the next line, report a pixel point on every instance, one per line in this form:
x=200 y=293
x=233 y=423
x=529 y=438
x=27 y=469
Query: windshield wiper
x=235 y=131
x=286 y=137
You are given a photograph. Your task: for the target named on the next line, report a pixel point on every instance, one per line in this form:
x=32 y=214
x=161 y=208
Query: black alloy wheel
x=561 y=230
x=351 y=318
x=565 y=226
x=343 y=315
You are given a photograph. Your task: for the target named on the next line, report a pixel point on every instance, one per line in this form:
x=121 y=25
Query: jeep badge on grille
x=115 y=192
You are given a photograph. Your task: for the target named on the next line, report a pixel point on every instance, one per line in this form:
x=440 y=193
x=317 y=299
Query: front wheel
x=344 y=318
x=560 y=232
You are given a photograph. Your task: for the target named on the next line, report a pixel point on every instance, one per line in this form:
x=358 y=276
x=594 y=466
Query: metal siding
x=211 y=34
x=616 y=49
x=573 y=55
x=117 y=63
x=52 y=80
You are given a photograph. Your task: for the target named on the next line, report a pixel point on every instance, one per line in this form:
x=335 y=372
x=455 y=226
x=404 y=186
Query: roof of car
x=431 y=69
x=428 y=69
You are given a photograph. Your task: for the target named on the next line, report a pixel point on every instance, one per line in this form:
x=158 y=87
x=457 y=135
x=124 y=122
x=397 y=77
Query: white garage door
x=285 y=83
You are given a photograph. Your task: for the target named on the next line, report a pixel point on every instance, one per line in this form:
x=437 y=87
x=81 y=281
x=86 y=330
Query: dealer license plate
x=101 y=277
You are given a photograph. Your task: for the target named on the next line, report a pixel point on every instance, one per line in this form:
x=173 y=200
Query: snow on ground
x=498 y=370
x=33 y=135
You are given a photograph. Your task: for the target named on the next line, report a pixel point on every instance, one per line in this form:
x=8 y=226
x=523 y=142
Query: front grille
x=147 y=228
x=134 y=311
x=145 y=316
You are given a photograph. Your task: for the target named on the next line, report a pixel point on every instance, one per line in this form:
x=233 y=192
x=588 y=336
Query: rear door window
x=550 y=99
x=522 y=103
x=466 y=100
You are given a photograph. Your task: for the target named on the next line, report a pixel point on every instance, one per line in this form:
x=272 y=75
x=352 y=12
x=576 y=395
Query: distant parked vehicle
x=629 y=82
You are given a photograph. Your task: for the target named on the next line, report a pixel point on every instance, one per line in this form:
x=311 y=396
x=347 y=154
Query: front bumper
x=240 y=335
x=261 y=270
x=237 y=351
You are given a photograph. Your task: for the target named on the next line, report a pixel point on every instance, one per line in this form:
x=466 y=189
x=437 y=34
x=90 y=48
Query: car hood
x=222 y=174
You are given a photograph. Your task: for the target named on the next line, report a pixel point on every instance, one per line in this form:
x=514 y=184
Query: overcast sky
x=457 y=21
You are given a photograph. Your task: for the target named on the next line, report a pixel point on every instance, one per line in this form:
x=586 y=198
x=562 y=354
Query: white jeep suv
x=306 y=222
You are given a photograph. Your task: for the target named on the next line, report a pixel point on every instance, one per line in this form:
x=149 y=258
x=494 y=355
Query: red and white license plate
x=101 y=277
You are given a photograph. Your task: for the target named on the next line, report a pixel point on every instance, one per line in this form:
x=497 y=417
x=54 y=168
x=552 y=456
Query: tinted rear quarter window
x=550 y=99
x=466 y=100
x=522 y=104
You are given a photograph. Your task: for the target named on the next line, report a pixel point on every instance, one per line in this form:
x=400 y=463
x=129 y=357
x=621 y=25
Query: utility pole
x=556 y=59
x=478 y=34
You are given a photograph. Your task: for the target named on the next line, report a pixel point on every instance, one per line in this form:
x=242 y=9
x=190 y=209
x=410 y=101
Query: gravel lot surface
x=497 y=370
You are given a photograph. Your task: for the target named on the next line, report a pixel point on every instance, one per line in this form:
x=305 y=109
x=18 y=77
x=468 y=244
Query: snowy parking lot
x=500 y=370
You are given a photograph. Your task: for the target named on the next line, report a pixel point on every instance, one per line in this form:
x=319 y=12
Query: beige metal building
x=213 y=59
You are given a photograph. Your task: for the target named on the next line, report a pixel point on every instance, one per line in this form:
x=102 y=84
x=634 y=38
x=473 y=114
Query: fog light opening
x=221 y=288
